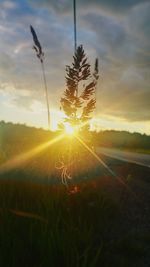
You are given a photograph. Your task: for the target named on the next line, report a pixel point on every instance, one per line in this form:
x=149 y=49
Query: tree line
x=19 y=135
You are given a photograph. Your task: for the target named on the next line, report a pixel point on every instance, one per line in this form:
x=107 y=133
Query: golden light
x=105 y=165
x=69 y=129
x=25 y=157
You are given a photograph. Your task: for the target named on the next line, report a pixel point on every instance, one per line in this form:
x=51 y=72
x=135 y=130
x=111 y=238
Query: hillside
x=29 y=136
x=97 y=220
x=122 y=140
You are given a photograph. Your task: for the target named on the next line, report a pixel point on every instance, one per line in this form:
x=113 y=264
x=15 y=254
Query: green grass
x=47 y=225
x=43 y=223
x=60 y=229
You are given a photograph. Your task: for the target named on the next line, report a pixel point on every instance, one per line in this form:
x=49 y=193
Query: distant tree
x=79 y=99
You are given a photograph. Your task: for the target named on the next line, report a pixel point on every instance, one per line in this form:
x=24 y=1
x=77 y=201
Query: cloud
x=139 y=22
x=123 y=48
x=6 y=63
x=28 y=104
x=65 y=6
x=117 y=32
x=9 y=5
x=129 y=97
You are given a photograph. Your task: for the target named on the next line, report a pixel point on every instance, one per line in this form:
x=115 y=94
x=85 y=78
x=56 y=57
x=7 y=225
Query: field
x=98 y=220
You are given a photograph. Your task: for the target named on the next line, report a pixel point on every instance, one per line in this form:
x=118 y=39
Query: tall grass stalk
x=75 y=25
x=40 y=55
x=46 y=93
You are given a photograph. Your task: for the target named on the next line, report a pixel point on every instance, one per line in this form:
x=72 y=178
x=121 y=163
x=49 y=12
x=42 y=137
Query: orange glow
x=74 y=190
x=95 y=155
x=105 y=165
x=69 y=129
x=25 y=157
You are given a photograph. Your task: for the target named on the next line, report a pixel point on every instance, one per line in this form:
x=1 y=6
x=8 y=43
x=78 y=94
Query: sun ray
x=106 y=166
x=95 y=155
x=25 y=157
x=69 y=129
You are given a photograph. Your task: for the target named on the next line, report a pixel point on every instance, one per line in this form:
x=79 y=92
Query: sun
x=69 y=129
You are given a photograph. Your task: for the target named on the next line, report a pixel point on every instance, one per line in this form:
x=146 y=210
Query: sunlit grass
x=27 y=156
x=50 y=224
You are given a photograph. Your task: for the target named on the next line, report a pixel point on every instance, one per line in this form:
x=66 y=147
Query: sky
x=115 y=31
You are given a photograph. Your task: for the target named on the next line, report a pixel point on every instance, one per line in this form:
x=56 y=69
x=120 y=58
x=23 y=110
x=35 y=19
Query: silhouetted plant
x=79 y=99
x=78 y=102
x=38 y=49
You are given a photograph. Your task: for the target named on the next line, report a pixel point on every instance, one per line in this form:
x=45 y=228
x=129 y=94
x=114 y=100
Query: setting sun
x=74 y=133
x=70 y=130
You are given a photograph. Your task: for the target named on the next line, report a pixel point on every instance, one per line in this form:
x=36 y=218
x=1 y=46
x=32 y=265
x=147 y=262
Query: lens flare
x=106 y=166
x=72 y=130
x=69 y=129
x=25 y=157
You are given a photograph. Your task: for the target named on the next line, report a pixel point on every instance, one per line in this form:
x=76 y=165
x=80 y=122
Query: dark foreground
x=96 y=222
